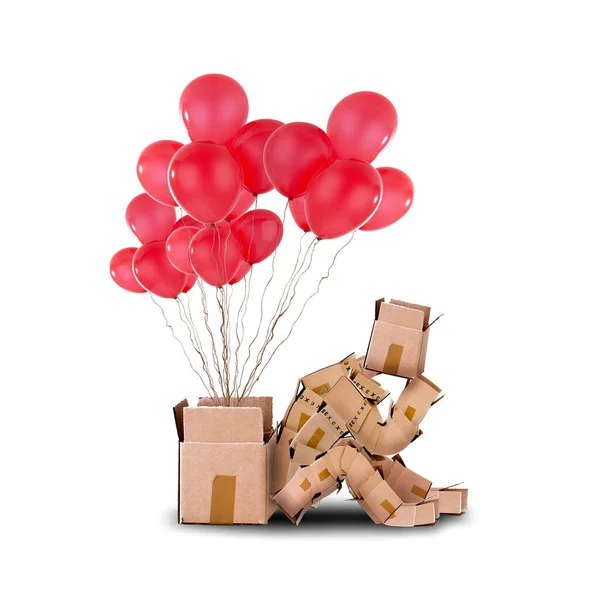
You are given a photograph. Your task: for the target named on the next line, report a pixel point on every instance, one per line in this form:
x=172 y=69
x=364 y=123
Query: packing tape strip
x=393 y=359
x=222 y=503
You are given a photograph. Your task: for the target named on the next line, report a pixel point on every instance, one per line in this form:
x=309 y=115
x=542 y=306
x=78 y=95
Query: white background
x=498 y=109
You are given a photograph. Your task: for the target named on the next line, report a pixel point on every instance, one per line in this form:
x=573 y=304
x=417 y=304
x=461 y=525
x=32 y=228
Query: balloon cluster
x=331 y=187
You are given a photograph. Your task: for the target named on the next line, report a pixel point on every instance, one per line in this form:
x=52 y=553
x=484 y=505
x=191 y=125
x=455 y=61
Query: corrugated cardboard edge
x=270 y=505
x=178 y=414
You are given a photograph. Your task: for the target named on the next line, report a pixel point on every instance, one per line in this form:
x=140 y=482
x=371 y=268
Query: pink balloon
x=396 y=199
x=149 y=220
x=259 y=232
x=155 y=273
x=293 y=154
x=299 y=212
x=216 y=254
x=213 y=108
x=248 y=147
x=206 y=181
x=121 y=270
x=247 y=199
x=153 y=170
x=178 y=249
x=242 y=272
x=361 y=125
x=189 y=284
x=342 y=198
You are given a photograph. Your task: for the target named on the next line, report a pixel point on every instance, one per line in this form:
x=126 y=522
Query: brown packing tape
x=393 y=359
x=222 y=504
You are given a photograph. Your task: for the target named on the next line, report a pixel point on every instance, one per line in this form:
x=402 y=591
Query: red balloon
x=178 y=248
x=242 y=272
x=213 y=108
x=248 y=146
x=342 y=197
x=361 y=125
x=260 y=232
x=216 y=254
x=121 y=270
x=153 y=170
x=299 y=212
x=149 y=220
x=189 y=284
x=396 y=199
x=293 y=154
x=187 y=221
x=206 y=181
x=155 y=273
x=246 y=200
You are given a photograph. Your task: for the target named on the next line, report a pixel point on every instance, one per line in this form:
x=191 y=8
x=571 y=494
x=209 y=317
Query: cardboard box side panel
x=394 y=350
x=202 y=463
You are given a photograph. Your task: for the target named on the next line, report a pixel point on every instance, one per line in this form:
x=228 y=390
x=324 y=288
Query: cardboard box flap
x=402 y=316
x=221 y=424
x=178 y=413
x=426 y=309
x=265 y=403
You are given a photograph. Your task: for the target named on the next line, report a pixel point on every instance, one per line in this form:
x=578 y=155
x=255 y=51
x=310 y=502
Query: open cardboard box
x=225 y=462
x=398 y=343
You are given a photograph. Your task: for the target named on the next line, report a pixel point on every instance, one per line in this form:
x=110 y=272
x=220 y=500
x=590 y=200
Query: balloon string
x=181 y=311
x=205 y=312
x=245 y=299
x=262 y=303
x=282 y=306
x=220 y=276
x=178 y=340
x=204 y=356
x=326 y=276
x=242 y=322
x=273 y=321
x=186 y=317
x=210 y=332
